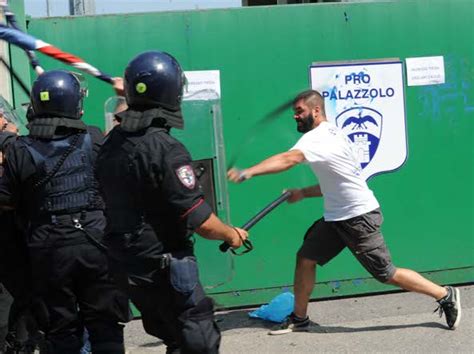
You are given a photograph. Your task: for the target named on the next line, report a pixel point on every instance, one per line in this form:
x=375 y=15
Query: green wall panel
x=18 y=59
x=263 y=54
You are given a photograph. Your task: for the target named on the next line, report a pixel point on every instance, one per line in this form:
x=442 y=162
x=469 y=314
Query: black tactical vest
x=133 y=191
x=64 y=181
x=117 y=172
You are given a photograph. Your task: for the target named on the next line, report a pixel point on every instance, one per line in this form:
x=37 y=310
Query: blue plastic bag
x=277 y=310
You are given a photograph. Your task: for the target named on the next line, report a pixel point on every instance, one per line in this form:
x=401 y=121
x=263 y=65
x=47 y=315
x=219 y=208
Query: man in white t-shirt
x=352 y=217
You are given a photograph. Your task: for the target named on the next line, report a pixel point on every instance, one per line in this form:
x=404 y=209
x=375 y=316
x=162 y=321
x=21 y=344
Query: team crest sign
x=367 y=102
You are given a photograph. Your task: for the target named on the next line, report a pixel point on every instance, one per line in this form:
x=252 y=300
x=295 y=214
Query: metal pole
x=72 y=7
x=5 y=82
x=81 y=7
x=48 y=12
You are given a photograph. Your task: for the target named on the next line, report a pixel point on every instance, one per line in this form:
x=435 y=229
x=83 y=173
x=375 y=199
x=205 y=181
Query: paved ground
x=393 y=323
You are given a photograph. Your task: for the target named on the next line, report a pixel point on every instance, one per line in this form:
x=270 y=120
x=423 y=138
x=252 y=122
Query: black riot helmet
x=57 y=93
x=153 y=80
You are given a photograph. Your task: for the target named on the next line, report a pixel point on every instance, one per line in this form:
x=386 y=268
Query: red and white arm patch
x=186 y=176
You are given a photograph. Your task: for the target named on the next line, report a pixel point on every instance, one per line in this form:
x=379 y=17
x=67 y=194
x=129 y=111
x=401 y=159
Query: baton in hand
x=225 y=246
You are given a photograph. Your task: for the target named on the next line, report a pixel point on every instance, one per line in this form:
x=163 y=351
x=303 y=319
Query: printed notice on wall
x=202 y=85
x=425 y=71
x=366 y=100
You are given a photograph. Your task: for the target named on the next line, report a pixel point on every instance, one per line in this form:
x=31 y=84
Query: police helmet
x=154 y=79
x=57 y=93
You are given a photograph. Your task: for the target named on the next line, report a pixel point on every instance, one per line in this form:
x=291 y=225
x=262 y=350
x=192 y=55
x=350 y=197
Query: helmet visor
x=82 y=82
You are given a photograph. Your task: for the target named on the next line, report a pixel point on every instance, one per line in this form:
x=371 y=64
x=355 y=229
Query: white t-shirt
x=330 y=154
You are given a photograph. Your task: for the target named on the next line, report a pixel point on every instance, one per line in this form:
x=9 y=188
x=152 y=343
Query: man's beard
x=305 y=124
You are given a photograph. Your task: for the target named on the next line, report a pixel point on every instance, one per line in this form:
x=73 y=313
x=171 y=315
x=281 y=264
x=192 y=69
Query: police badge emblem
x=186 y=176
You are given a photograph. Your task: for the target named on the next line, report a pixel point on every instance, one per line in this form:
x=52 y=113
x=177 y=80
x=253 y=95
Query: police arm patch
x=186 y=176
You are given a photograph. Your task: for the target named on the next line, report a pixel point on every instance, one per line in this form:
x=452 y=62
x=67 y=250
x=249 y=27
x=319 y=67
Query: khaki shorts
x=361 y=234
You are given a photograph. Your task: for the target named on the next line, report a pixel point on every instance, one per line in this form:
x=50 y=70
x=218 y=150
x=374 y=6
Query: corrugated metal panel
x=263 y=55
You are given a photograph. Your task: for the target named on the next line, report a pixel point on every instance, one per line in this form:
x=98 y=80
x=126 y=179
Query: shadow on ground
x=240 y=320
x=156 y=344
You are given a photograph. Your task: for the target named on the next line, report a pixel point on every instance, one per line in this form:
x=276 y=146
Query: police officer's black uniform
x=14 y=268
x=14 y=263
x=49 y=177
x=154 y=204
x=15 y=273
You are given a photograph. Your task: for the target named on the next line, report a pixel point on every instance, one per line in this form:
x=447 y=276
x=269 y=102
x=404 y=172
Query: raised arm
x=276 y=163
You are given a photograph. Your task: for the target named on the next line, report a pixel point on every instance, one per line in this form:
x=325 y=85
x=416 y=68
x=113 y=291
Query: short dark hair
x=311 y=98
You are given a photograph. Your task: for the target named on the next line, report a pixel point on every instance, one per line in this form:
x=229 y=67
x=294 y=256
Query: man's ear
x=316 y=111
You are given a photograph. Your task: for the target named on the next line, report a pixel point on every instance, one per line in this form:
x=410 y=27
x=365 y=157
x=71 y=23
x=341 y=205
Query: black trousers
x=184 y=321
x=71 y=278
x=169 y=296
x=15 y=272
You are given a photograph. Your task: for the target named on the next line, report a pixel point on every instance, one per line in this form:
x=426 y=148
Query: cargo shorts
x=324 y=240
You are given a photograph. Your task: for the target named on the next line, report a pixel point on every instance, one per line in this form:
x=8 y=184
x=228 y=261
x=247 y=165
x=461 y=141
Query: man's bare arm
x=276 y=163
x=302 y=193
x=312 y=191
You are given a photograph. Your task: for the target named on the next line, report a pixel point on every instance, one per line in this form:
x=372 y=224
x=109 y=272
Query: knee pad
x=200 y=332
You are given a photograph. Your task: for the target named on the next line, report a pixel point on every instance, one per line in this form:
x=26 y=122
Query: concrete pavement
x=391 y=323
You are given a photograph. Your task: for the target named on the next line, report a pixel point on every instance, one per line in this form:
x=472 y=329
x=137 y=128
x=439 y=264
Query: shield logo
x=363 y=125
x=186 y=176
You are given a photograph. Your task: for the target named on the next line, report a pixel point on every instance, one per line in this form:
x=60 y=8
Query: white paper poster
x=367 y=102
x=425 y=71
x=202 y=84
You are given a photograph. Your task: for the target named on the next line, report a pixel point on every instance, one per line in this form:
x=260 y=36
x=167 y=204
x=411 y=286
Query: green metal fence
x=263 y=55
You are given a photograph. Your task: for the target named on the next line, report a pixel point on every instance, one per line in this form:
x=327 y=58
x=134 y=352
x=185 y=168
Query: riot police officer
x=49 y=179
x=15 y=273
x=154 y=204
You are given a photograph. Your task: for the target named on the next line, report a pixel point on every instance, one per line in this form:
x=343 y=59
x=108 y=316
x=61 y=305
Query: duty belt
x=75 y=220
x=65 y=218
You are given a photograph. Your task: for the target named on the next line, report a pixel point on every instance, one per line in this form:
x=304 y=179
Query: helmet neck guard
x=134 y=120
x=45 y=128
